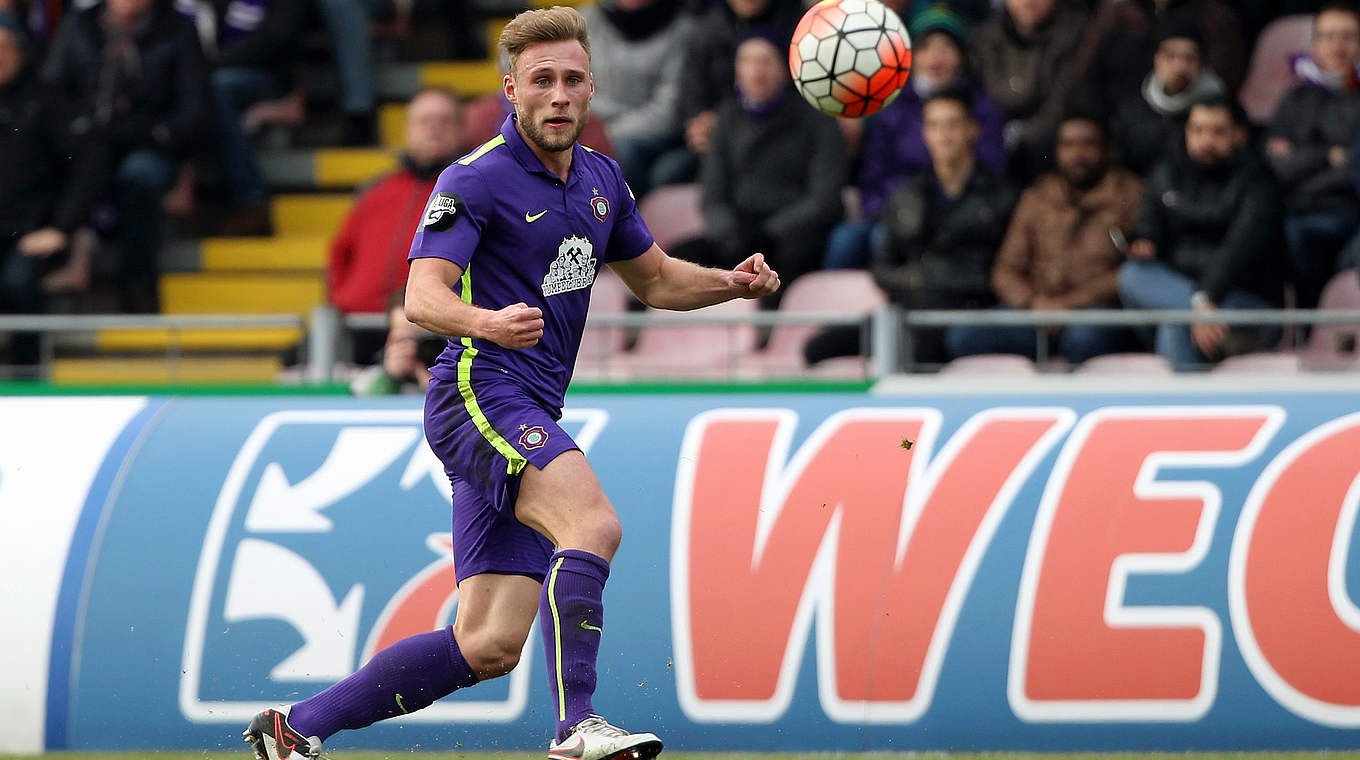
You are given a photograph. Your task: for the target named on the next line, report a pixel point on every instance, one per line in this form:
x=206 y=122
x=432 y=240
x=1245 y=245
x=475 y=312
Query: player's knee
x=491 y=655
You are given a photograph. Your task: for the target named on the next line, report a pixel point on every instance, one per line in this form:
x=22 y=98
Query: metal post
x=323 y=340
x=886 y=330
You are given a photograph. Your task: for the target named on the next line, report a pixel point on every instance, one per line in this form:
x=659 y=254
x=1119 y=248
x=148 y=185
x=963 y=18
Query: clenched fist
x=516 y=326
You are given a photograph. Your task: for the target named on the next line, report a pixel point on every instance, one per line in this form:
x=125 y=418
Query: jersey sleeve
x=455 y=217
x=630 y=237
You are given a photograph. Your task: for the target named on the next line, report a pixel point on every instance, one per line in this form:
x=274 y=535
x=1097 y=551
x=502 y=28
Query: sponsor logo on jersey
x=574 y=267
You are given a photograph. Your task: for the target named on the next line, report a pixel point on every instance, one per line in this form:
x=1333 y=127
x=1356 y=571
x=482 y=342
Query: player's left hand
x=763 y=280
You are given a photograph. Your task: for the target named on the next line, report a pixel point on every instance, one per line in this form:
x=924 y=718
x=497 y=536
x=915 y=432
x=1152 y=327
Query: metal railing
x=888 y=327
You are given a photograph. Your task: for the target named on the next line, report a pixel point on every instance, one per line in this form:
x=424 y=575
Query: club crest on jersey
x=533 y=438
x=573 y=269
x=442 y=211
x=599 y=205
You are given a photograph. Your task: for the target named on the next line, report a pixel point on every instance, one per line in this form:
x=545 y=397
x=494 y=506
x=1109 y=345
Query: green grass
x=411 y=755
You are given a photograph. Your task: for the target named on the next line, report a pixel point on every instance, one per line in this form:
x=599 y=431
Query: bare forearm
x=682 y=285
x=438 y=310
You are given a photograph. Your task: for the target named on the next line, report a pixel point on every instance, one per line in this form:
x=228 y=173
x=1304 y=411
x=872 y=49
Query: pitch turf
x=412 y=755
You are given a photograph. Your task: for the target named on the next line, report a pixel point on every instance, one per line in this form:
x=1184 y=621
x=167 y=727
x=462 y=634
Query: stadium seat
x=1335 y=346
x=600 y=345
x=1260 y=363
x=689 y=352
x=1126 y=364
x=1270 y=73
x=847 y=291
x=990 y=364
x=672 y=213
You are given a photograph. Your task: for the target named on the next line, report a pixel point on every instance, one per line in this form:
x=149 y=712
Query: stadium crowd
x=1045 y=154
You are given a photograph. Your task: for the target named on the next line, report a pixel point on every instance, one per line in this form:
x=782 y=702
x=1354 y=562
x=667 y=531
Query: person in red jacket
x=368 y=255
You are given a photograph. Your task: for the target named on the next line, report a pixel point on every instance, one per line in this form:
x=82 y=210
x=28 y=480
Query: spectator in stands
x=407 y=354
x=707 y=80
x=635 y=60
x=1152 y=119
x=1123 y=36
x=347 y=25
x=1060 y=251
x=483 y=117
x=45 y=190
x=1208 y=237
x=252 y=54
x=368 y=254
x=773 y=171
x=972 y=12
x=943 y=228
x=892 y=145
x=132 y=73
x=1025 y=55
x=1309 y=148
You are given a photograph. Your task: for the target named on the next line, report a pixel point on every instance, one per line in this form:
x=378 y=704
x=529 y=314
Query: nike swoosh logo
x=531 y=218
x=588 y=627
x=281 y=737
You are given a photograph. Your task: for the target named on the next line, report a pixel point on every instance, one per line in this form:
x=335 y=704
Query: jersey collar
x=526 y=158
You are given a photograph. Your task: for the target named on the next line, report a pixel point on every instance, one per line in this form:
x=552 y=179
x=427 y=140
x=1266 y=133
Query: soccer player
x=508 y=248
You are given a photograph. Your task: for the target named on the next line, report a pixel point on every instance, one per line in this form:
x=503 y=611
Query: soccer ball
x=850 y=57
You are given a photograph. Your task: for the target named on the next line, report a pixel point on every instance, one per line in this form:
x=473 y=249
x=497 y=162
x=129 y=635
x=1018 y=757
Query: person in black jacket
x=943 y=227
x=1309 y=149
x=132 y=73
x=251 y=52
x=773 y=172
x=46 y=191
x=1208 y=236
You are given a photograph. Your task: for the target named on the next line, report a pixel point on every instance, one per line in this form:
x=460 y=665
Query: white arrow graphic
x=330 y=631
x=358 y=456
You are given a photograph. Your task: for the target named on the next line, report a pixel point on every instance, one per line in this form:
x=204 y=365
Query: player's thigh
x=565 y=502
x=496 y=611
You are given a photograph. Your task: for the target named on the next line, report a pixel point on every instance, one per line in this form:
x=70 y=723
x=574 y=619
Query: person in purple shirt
x=893 y=148
x=510 y=243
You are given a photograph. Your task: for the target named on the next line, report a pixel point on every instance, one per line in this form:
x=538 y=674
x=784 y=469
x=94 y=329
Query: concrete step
x=198 y=339
x=284 y=253
x=235 y=293
x=319 y=214
x=189 y=370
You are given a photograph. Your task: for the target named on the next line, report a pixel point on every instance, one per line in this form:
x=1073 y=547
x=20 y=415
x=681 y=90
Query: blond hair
x=553 y=24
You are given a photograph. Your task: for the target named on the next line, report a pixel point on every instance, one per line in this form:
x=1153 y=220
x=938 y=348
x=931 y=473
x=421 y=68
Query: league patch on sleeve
x=443 y=210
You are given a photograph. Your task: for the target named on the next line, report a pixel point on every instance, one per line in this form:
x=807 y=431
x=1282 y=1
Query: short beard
x=550 y=144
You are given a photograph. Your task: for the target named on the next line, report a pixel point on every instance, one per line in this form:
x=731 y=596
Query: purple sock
x=571 y=614
x=406 y=676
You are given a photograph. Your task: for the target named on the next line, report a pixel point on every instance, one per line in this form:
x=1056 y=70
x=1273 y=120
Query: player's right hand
x=516 y=326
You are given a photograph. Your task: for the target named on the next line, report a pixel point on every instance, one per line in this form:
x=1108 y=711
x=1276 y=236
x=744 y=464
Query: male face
x=1177 y=64
x=949 y=130
x=1028 y=14
x=1082 y=158
x=1211 y=136
x=938 y=59
x=551 y=88
x=434 y=128
x=1336 y=41
x=761 y=71
x=11 y=56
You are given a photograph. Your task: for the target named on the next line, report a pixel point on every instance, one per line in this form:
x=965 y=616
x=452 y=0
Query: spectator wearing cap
x=1208 y=236
x=1147 y=122
x=773 y=171
x=45 y=190
x=893 y=147
x=1026 y=55
x=1309 y=148
x=132 y=72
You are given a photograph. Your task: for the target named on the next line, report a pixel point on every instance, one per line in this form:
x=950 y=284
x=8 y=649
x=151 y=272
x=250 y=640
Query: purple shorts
x=485 y=434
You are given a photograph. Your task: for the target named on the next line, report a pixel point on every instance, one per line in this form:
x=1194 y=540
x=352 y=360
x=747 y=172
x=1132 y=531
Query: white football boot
x=594 y=739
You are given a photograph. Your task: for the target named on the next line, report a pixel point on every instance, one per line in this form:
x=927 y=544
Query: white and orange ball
x=850 y=57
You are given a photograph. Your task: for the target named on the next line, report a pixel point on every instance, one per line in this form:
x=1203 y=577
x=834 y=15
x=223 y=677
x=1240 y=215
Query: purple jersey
x=522 y=235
